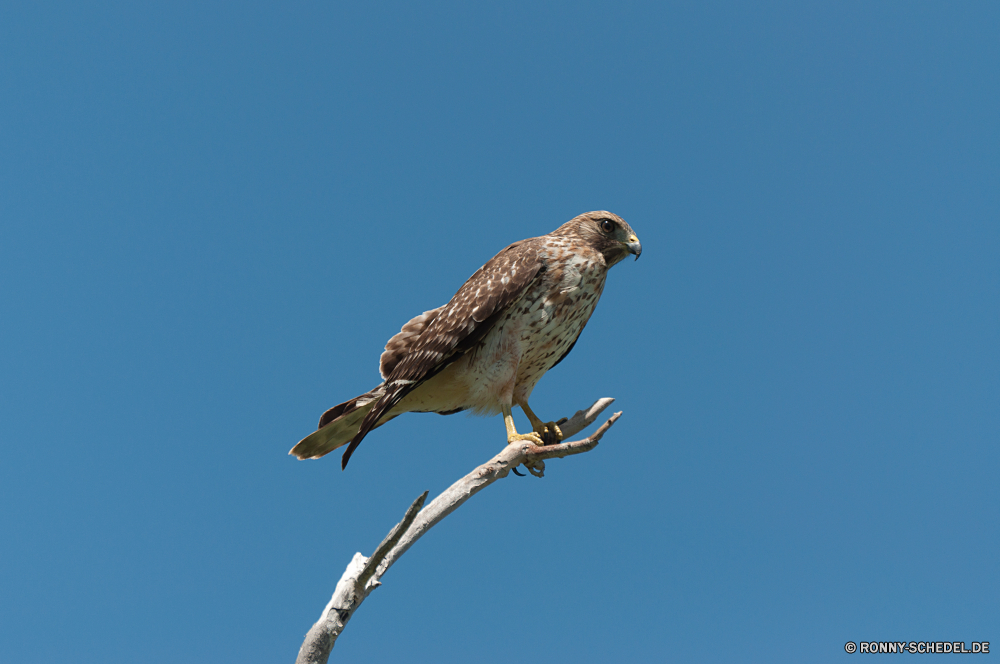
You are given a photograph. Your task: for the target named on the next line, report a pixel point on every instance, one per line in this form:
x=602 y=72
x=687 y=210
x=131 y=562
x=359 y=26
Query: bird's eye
x=607 y=226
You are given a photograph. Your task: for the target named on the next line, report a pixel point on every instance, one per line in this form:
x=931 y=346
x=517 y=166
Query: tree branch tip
x=611 y=420
x=419 y=502
x=584 y=418
x=603 y=429
x=371 y=565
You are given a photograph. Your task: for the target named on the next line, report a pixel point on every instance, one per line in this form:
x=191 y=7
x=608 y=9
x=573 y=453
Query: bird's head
x=606 y=232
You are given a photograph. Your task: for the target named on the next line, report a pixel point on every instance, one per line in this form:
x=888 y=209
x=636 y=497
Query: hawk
x=514 y=319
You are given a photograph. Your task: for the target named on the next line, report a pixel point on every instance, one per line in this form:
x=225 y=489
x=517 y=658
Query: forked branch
x=363 y=575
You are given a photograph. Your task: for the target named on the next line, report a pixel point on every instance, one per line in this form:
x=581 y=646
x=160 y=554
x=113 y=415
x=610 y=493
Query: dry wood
x=363 y=574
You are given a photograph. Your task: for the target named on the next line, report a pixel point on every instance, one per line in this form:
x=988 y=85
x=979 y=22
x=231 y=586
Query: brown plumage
x=513 y=320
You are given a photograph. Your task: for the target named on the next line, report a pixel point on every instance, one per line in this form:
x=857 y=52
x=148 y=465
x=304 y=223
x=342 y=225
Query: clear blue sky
x=213 y=216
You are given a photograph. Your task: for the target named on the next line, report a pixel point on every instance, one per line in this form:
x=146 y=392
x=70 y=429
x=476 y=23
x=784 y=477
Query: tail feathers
x=337 y=426
x=378 y=413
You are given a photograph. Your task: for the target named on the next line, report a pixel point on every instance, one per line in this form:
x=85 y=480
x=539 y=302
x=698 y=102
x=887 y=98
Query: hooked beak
x=633 y=246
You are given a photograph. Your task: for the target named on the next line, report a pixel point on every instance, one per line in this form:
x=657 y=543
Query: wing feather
x=399 y=346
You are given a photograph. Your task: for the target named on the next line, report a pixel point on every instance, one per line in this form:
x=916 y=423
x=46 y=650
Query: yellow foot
x=550 y=433
x=530 y=437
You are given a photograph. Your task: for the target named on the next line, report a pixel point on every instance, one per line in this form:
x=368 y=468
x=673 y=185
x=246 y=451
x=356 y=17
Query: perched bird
x=514 y=319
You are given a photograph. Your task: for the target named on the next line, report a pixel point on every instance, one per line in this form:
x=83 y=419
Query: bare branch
x=391 y=540
x=584 y=418
x=363 y=575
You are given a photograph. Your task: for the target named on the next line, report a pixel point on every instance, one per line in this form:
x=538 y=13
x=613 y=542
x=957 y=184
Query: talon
x=551 y=433
x=530 y=437
x=517 y=473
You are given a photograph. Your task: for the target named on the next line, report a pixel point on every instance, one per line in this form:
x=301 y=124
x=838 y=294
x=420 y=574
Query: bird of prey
x=514 y=319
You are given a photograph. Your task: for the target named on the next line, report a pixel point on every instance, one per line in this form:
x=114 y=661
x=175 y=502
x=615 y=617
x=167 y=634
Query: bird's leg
x=549 y=431
x=512 y=435
x=538 y=467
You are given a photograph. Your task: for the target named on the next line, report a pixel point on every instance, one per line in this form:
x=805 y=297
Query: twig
x=363 y=575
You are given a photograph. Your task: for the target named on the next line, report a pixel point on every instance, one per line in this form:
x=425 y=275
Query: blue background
x=213 y=216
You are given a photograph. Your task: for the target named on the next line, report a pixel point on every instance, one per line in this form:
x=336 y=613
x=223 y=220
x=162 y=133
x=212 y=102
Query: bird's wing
x=400 y=345
x=457 y=326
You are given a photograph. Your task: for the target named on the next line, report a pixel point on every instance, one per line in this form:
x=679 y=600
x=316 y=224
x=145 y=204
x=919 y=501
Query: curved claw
x=550 y=433
x=517 y=473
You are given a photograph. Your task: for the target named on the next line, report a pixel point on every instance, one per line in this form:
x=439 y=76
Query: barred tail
x=338 y=425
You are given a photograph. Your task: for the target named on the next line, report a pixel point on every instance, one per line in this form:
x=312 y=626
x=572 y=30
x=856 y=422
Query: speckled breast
x=555 y=310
